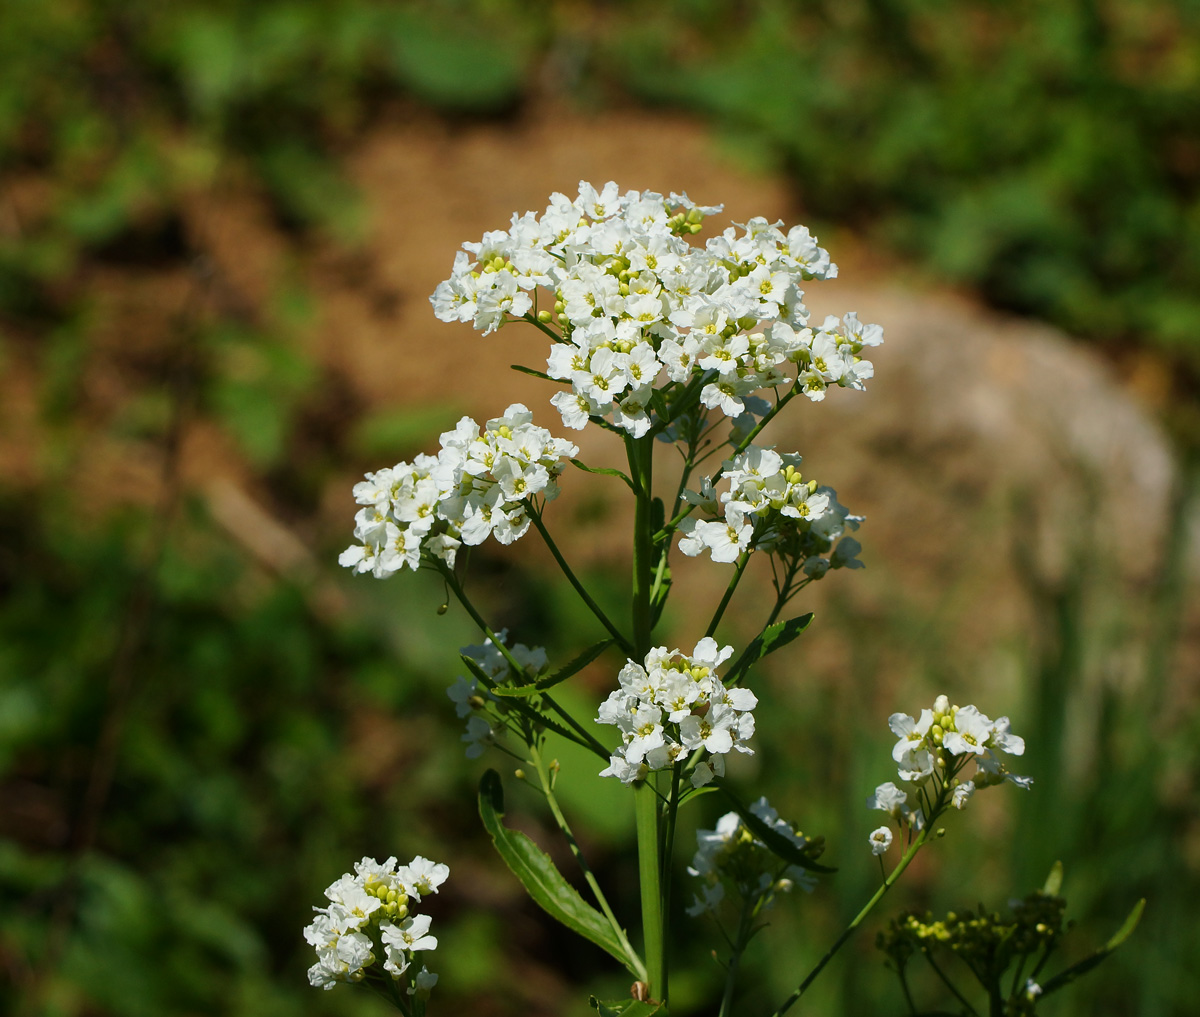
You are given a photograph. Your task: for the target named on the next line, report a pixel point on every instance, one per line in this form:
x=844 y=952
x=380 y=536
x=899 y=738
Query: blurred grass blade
x=1053 y=881
x=543 y=882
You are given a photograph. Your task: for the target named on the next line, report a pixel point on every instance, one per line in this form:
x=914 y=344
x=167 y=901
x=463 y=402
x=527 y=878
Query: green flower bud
x=544 y=316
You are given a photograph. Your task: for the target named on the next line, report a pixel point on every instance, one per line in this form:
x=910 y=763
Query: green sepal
x=1086 y=965
x=542 y=881
x=568 y=670
x=605 y=471
x=626 y=1007
x=776 y=843
x=773 y=637
x=1053 y=881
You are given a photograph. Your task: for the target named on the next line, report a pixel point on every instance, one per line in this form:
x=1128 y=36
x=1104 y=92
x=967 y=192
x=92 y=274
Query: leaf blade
x=542 y=880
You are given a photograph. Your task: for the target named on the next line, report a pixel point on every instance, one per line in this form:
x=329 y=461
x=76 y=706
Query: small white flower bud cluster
x=478 y=485
x=632 y=298
x=377 y=899
x=673 y=705
x=932 y=749
x=470 y=699
x=768 y=506
x=732 y=855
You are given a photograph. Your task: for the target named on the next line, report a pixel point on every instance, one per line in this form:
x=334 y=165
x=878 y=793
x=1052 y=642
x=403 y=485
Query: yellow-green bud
x=695 y=227
x=747 y=322
x=694 y=215
x=544 y=316
x=519 y=773
x=391 y=896
x=443 y=608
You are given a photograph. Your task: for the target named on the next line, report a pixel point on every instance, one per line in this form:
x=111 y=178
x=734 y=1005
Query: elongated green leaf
x=568 y=670
x=536 y=374
x=773 y=638
x=777 y=843
x=1086 y=965
x=542 y=880
x=1053 y=881
x=514 y=694
x=579 y=464
x=626 y=1007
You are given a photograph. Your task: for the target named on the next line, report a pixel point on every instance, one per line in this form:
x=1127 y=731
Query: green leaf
x=773 y=637
x=561 y=675
x=777 y=843
x=536 y=374
x=626 y=1007
x=543 y=882
x=605 y=471
x=514 y=694
x=1053 y=881
x=1086 y=965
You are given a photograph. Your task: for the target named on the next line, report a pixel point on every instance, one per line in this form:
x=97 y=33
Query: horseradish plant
x=655 y=338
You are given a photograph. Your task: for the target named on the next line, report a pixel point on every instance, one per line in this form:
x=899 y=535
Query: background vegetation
x=194 y=741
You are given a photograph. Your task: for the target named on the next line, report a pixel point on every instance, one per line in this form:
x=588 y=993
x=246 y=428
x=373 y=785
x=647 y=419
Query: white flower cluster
x=933 y=749
x=731 y=854
x=768 y=506
x=378 y=898
x=470 y=699
x=478 y=485
x=676 y=704
x=633 y=298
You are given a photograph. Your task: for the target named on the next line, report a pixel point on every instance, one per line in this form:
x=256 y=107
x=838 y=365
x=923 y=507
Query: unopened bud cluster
x=674 y=705
x=732 y=856
x=480 y=484
x=767 y=505
x=931 y=752
x=371 y=914
x=987 y=941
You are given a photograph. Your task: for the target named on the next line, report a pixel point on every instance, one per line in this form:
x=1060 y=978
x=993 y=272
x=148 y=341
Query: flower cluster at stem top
x=768 y=506
x=931 y=751
x=732 y=856
x=480 y=484
x=675 y=704
x=471 y=700
x=633 y=299
x=373 y=910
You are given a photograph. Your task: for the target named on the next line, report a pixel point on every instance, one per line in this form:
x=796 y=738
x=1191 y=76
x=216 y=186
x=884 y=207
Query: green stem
x=887 y=884
x=646 y=808
x=741 y=447
x=548 y=790
x=735 y=960
x=586 y=738
x=595 y=608
x=946 y=982
x=645 y=802
x=743 y=558
x=545 y=328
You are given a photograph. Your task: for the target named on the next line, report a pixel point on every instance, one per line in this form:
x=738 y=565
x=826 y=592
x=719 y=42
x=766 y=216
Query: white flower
x=972 y=730
x=880 y=840
x=962 y=794
x=671 y=704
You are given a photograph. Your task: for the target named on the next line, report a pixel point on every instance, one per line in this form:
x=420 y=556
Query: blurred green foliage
x=1044 y=153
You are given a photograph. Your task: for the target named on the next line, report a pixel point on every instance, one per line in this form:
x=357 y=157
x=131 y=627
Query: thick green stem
x=548 y=790
x=579 y=587
x=646 y=806
x=887 y=884
x=645 y=800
